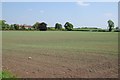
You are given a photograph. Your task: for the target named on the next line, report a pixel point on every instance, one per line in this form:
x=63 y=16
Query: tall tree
x=16 y=26
x=7 y=27
x=11 y=27
x=110 y=25
x=68 y=26
x=58 y=26
x=3 y=24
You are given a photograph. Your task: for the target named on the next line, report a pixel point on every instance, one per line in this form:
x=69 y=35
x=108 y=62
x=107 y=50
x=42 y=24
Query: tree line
x=37 y=26
x=43 y=27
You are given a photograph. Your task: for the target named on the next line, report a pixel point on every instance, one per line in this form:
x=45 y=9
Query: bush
x=117 y=30
x=80 y=30
x=51 y=29
x=102 y=30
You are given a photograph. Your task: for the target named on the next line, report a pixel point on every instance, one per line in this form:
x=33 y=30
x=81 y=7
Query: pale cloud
x=82 y=3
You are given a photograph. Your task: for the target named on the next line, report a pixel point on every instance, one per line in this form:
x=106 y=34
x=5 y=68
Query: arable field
x=59 y=54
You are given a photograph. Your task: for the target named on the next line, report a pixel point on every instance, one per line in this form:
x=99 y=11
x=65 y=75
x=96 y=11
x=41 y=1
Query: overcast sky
x=80 y=14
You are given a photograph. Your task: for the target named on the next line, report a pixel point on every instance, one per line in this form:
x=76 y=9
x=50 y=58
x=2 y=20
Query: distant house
x=28 y=27
x=25 y=26
x=42 y=26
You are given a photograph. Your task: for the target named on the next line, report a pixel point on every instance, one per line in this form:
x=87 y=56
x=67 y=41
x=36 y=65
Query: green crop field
x=60 y=54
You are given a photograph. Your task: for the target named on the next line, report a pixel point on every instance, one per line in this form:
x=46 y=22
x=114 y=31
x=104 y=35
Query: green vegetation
x=68 y=26
x=6 y=74
x=16 y=26
x=90 y=29
x=40 y=26
x=58 y=27
x=110 y=25
x=76 y=41
x=4 y=25
x=57 y=48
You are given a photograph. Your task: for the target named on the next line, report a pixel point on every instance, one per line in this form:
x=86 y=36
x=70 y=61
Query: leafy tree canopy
x=68 y=26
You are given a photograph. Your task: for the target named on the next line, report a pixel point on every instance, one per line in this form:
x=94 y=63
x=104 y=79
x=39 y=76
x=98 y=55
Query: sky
x=80 y=14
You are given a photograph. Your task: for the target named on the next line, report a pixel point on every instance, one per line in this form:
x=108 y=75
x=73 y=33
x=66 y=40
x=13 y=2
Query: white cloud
x=82 y=3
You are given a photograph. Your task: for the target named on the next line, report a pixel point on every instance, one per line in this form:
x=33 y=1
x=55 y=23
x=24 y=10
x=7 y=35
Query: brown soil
x=81 y=65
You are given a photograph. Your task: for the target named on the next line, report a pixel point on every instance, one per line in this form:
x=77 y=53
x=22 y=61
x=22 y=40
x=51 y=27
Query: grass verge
x=6 y=75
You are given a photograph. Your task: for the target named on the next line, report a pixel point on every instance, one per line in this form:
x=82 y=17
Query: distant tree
x=11 y=27
x=117 y=28
x=29 y=29
x=42 y=26
x=58 y=26
x=0 y=22
x=3 y=24
x=16 y=26
x=68 y=26
x=7 y=27
x=110 y=25
x=23 y=27
x=36 y=25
